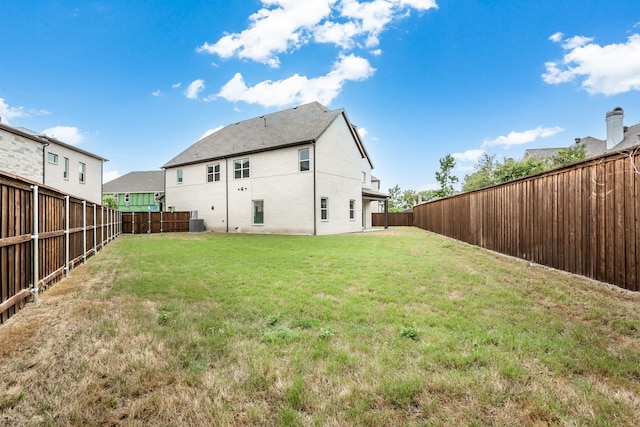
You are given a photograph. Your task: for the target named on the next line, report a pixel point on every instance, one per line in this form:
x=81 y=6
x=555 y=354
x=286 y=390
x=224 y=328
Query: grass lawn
x=398 y=327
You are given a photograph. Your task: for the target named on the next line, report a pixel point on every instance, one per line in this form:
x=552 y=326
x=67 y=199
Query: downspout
x=315 y=202
x=44 y=162
x=226 y=178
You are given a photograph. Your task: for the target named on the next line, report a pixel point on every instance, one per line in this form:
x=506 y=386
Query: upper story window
x=303 y=159
x=126 y=197
x=82 y=172
x=65 y=171
x=52 y=158
x=364 y=177
x=213 y=172
x=352 y=209
x=241 y=168
x=179 y=176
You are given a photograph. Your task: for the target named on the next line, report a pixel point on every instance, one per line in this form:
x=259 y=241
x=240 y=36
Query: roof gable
x=293 y=126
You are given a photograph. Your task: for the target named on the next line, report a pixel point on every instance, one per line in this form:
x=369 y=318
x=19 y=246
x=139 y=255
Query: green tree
x=444 y=176
x=511 y=169
x=395 y=199
x=573 y=154
x=108 y=201
x=484 y=175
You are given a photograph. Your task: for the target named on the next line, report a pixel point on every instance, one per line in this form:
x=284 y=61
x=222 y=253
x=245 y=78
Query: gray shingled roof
x=630 y=139
x=284 y=128
x=136 y=182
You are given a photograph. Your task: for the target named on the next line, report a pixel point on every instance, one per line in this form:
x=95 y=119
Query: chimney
x=615 y=128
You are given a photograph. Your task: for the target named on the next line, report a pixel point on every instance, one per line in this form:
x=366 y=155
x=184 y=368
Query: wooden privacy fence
x=155 y=222
x=395 y=219
x=583 y=218
x=43 y=234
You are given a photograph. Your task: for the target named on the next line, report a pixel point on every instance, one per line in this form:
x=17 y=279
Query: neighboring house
x=51 y=162
x=137 y=191
x=619 y=137
x=303 y=170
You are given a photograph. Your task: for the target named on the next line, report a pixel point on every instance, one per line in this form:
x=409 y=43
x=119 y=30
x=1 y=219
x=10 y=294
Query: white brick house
x=302 y=170
x=51 y=162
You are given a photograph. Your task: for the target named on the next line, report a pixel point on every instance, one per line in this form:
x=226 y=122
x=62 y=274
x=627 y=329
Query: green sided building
x=137 y=191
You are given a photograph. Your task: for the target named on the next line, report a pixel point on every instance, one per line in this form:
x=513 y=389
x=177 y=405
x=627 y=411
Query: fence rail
x=155 y=222
x=583 y=218
x=43 y=235
x=395 y=219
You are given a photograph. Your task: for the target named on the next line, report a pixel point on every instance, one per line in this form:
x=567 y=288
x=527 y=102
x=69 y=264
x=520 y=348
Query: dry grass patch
x=387 y=328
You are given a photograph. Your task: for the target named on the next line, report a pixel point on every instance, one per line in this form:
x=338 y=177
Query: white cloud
x=176 y=85
x=575 y=42
x=156 y=93
x=283 y=26
x=194 y=89
x=209 y=132
x=519 y=138
x=298 y=89
x=556 y=37
x=469 y=155
x=609 y=70
x=68 y=134
x=8 y=113
x=110 y=176
x=362 y=132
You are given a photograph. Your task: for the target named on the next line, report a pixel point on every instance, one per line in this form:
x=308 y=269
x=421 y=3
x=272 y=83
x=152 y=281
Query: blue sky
x=139 y=81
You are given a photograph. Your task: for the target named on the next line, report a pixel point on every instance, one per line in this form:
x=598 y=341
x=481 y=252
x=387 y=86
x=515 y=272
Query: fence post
x=95 y=231
x=101 y=227
x=66 y=236
x=149 y=229
x=36 y=249
x=84 y=231
x=133 y=223
x=160 y=222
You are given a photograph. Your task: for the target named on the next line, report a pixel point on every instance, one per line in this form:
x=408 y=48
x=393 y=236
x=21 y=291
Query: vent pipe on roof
x=615 y=128
x=578 y=140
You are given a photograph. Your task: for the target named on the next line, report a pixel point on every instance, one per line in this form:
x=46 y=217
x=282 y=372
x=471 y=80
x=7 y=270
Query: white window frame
x=213 y=172
x=82 y=172
x=302 y=160
x=179 y=176
x=352 y=209
x=241 y=168
x=52 y=158
x=258 y=208
x=364 y=177
x=127 y=197
x=65 y=169
x=324 y=209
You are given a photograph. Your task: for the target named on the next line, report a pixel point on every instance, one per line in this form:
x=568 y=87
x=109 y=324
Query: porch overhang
x=373 y=195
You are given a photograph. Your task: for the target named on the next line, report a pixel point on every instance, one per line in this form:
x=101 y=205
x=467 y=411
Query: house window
x=258 y=212
x=352 y=209
x=241 y=168
x=213 y=172
x=65 y=172
x=324 y=208
x=82 y=172
x=52 y=158
x=179 y=176
x=126 y=197
x=364 y=177
x=303 y=158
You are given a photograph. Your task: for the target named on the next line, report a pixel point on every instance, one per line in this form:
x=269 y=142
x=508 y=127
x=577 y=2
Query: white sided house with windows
x=51 y=162
x=303 y=170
